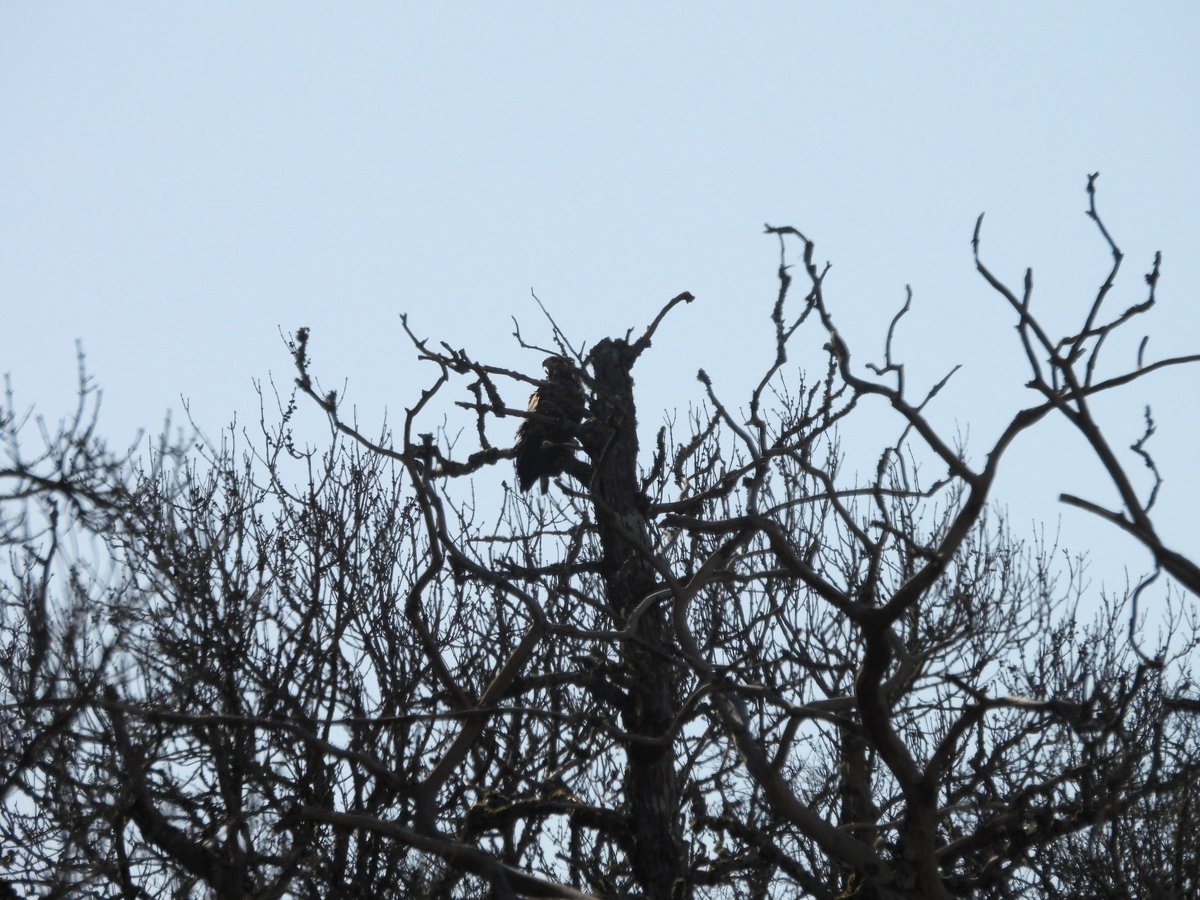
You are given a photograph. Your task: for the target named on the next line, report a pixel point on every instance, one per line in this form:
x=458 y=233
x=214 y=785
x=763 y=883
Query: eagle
x=544 y=440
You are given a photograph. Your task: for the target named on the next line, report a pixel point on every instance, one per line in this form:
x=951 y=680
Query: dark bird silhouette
x=545 y=439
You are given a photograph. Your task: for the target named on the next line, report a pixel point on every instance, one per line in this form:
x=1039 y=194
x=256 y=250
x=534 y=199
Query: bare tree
x=720 y=668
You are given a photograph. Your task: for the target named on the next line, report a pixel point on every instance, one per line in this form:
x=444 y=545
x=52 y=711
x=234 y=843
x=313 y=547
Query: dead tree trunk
x=652 y=796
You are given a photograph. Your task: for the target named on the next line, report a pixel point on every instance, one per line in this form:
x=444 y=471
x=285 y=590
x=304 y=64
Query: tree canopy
x=718 y=666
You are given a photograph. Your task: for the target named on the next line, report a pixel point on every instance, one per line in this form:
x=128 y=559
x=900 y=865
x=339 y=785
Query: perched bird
x=544 y=440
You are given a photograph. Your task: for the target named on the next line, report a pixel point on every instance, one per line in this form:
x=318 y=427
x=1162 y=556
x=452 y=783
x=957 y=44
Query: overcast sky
x=180 y=182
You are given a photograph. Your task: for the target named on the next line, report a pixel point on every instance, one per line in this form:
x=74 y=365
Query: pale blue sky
x=180 y=181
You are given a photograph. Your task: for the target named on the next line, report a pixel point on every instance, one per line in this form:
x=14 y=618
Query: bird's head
x=557 y=365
